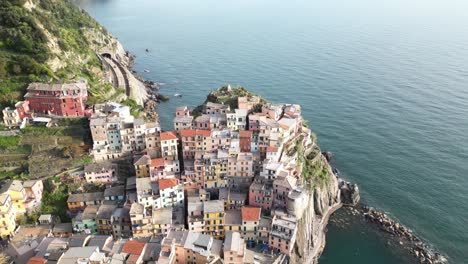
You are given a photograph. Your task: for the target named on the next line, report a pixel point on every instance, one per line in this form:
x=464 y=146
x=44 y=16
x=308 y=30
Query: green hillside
x=49 y=41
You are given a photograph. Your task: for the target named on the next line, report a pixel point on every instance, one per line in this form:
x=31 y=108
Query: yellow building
x=17 y=193
x=215 y=171
x=232 y=220
x=7 y=215
x=142 y=166
x=141 y=222
x=213 y=216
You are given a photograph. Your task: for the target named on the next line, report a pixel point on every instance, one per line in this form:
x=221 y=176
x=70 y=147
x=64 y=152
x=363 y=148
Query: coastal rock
x=328 y=155
x=349 y=193
x=423 y=253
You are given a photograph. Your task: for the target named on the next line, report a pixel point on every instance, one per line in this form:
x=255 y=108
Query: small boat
x=147 y=71
x=177 y=95
x=147 y=50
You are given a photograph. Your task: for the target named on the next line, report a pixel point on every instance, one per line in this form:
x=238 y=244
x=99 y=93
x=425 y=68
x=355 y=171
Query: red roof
x=133 y=247
x=167 y=183
x=204 y=133
x=195 y=132
x=157 y=162
x=271 y=149
x=168 y=135
x=37 y=260
x=188 y=132
x=245 y=133
x=250 y=213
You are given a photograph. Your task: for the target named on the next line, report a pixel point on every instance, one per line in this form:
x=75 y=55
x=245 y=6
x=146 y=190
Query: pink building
x=34 y=191
x=254 y=122
x=281 y=188
x=202 y=122
x=182 y=111
x=14 y=116
x=103 y=172
x=234 y=248
x=261 y=195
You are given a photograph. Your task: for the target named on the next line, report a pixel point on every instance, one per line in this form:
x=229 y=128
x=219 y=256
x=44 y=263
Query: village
x=226 y=185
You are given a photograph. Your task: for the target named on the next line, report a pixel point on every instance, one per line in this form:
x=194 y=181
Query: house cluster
x=222 y=187
x=41 y=99
x=16 y=198
x=39 y=246
x=238 y=174
x=116 y=133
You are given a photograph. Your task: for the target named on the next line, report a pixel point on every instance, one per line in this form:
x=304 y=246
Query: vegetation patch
x=135 y=108
x=227 y=96
x=31 y=154
x=54 y=199
x=47 y=41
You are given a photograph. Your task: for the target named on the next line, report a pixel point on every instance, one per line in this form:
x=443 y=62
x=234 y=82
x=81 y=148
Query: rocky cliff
x=323 y=201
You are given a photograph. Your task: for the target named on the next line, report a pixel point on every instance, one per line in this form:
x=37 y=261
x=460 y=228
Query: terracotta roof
x=157 y=162
x=133 y=247
x=167 y=183
x=188 y=132
x=168 y=135
x=271 y=149
x=204 y=133
x=245 y=133
x=250 y=213
x=37 y=260
x=195 y=132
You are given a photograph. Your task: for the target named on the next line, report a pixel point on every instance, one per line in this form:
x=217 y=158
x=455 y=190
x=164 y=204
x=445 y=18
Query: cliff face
x=323 y=201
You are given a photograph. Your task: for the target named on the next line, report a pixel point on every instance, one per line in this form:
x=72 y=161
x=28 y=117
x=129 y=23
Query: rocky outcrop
x=310 y=240
x=349 y=193
x=407 y=239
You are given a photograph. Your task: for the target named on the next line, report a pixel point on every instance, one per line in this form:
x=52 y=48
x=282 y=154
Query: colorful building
x=103 y=172
x=169 y=142
x=7 y=215
x=245 y=140
x=79 y=201
x=171 y=192
x=234 y=248
x=58 y=99
x=283 y=234
x=86 y=221
x=250 y=221
x=141 y=222
x=213 y=216
x=17 y=193
x=104 y=218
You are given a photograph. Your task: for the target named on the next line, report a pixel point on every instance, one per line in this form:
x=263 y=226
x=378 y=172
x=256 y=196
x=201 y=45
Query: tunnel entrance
x=107 y=55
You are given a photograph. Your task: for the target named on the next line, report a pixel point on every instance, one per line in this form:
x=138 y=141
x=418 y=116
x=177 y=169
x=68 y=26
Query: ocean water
x=384 y=84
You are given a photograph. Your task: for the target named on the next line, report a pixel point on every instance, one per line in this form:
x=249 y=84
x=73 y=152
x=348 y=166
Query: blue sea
x=384 y=84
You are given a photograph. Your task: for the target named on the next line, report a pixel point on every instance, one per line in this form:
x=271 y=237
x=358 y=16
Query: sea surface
x=384 y=84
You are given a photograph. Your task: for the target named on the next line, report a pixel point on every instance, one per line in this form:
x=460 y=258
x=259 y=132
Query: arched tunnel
x=107 y=55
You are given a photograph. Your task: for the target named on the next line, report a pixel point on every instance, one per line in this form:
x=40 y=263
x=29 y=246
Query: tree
x=3 y=71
